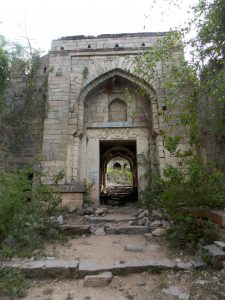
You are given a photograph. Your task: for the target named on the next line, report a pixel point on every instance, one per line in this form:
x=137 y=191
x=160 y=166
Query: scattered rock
x=141 y=222
x=198 y=264
x=60 y=220
x=174 y=291
x=139 y=211
x=159 y=232
x=100 y=231
x=134 y=248
x=89 y=210
x=100 y=280
x=100 y=211
x=147 y=221
x=155 y=224
x=72 y=210
x=157 y=215
x=148 y=235
x=143 y=214
x=165 y=224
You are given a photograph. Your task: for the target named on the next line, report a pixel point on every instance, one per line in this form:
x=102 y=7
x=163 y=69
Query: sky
x=44 y=20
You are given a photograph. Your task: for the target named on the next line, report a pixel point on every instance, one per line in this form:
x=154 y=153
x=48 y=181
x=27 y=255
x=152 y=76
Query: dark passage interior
x=118 y=172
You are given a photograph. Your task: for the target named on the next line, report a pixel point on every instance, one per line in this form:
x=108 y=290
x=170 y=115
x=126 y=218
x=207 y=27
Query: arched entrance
x=116 y=120
x=120 y=190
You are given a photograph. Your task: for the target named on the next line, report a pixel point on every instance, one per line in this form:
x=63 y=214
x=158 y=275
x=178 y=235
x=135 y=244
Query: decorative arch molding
x=86 y=91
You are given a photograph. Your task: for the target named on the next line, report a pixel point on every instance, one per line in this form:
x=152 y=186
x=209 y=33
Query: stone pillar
x=93 y=167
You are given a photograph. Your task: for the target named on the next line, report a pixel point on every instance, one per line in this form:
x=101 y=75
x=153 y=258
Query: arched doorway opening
x=118 y=172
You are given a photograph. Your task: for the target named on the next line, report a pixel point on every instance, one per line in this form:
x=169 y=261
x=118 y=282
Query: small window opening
x=89 y=46
x=143 y=44
x=62 y=48
x=117 y=166
x=117 y=46
x=44 y=70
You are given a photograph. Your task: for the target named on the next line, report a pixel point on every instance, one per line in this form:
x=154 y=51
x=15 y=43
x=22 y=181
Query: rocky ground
x=118 y=253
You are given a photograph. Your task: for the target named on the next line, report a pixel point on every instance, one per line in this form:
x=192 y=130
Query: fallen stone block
x=75 y=229
x=220 y=244
x=100 y=280
x=100 y=231
x=100 y=211
x=159 y=232
x=134 y=248
x=155 y=224
x=127 y=230
x=217 y=256
x=198 y=264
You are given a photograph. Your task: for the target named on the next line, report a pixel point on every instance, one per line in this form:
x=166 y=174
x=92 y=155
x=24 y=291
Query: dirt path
x=110 y=249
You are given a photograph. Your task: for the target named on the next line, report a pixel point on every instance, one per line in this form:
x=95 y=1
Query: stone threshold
x=55 y=268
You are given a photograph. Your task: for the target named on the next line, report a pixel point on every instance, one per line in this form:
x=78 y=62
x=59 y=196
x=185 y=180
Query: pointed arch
x=108 y=79
x=100 y=80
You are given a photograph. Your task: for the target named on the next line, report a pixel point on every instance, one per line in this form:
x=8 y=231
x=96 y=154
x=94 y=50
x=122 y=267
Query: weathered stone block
x=220 y=245
x=217 y=256
x=75 y=229
x=100 y=280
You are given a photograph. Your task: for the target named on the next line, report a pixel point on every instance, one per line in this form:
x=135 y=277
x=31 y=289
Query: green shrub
x=25 y=214
x=12 y=282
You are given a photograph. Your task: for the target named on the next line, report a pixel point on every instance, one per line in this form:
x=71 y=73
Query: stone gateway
x=99 y=110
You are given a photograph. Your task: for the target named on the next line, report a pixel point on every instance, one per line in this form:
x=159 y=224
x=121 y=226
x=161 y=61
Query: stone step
x=54 y=268
x=112 y=219
x=79 y=269
x=127 y=229
x=75 y=229
x=217 y=256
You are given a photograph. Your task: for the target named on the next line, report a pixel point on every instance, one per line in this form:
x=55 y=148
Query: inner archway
x=118 y=172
